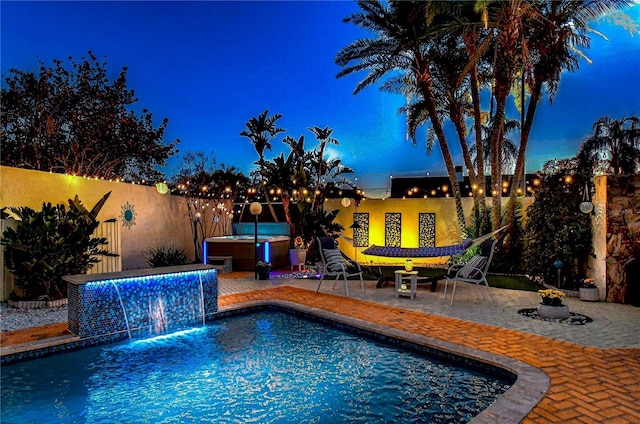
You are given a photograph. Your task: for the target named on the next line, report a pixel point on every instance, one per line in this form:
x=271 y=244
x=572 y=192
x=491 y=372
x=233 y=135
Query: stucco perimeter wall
x=446 y=228
x=157 y=220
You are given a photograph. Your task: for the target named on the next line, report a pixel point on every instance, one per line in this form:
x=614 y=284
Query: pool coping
x=588 y=384
x=512 y=406
x=530 y=386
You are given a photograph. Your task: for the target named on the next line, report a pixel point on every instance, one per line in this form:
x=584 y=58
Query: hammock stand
x=423 y=252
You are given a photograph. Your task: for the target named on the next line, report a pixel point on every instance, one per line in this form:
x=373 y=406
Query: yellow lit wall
x=447 y=231
x=159 y=219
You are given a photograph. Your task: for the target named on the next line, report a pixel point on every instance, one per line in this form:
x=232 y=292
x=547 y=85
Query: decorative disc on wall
x=127 y=215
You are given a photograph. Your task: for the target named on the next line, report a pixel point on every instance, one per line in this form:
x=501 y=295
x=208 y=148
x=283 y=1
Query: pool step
x=222 y=263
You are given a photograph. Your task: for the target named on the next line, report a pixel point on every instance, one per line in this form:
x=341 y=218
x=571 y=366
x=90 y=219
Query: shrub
x=49 y=244
x=556 y=229
x=166 y=256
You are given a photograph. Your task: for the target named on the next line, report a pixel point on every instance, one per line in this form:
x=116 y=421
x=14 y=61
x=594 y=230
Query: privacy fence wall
x=134 y=218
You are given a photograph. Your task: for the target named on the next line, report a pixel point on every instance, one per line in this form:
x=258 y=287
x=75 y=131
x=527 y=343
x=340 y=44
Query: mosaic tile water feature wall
x=154 y=302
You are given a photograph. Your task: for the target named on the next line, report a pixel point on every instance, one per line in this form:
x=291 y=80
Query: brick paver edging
x=588 y=385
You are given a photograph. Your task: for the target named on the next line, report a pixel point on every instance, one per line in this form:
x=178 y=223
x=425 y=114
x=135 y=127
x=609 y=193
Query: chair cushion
x=334 y=259
x=327 y=243
x=486 y=247
x=470 y=271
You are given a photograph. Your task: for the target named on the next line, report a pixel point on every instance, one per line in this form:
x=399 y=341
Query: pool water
x=263 y=367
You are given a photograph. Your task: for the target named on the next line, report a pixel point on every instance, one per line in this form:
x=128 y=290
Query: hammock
x=427 y=252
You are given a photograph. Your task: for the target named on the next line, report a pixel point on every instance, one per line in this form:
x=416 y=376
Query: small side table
x=402 y=275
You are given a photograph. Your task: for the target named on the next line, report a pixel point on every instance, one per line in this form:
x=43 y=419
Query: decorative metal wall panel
x=110 y=231
x=361 y=234
x=427 y=229
x=392 y=229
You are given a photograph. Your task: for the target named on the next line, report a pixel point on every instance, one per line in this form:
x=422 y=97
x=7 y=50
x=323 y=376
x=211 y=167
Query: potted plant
x=264 y=270
x=588 y=290
x=551 y=305
x=298 y=255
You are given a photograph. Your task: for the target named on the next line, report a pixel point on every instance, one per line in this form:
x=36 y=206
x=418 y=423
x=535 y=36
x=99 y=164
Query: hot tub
x=271 y=248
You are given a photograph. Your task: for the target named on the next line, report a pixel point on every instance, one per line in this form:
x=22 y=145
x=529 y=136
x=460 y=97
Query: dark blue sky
x=211 y=66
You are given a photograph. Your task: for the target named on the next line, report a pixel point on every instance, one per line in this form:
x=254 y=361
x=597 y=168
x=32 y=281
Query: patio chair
x=336 y=265
x=474 y=271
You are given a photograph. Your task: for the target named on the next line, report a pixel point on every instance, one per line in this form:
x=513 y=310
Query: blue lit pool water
x=263 y=367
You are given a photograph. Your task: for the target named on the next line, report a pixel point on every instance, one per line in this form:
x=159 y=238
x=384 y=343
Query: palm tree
x=324 y=170
x=554 y=42
x=509 y=20
x=457 y=86
x=613 y=148
x=286 y=173
x=400 y=46
x=509 y=148
x=452 y=94
x=475 y=39
x=260 y=131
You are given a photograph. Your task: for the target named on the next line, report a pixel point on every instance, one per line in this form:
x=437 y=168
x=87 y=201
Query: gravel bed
x=17 y=319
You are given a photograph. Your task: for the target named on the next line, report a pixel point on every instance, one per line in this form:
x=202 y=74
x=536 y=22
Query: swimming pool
x=266 y=366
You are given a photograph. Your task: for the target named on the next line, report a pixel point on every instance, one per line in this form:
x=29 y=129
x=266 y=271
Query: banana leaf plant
x=49 y=244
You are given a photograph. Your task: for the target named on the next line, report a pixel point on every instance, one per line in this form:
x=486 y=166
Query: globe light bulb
x=586 y=207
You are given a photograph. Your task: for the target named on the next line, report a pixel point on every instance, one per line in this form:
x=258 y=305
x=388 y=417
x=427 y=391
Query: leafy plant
x=68 y=117
x=319 y=224
x=613 y=148
x=301 y=179
x=509 y=251
x=588 y=283
x=166 y=256
x=49 y=244
x=556 y=229
x=198 y=180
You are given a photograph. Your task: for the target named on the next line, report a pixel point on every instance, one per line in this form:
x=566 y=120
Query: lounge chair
x=336 y=265
x=474 y=271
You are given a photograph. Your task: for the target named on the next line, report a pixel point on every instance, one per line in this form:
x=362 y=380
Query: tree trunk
x=273 y=211
x=520 y=162
x=479 y=195
x=458 y=122
x=478 y=198
x=285 y=206
x=425 y=86
x=501 y=93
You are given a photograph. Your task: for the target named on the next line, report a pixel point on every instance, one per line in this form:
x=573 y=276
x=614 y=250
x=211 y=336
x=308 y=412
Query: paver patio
x=587 y=384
